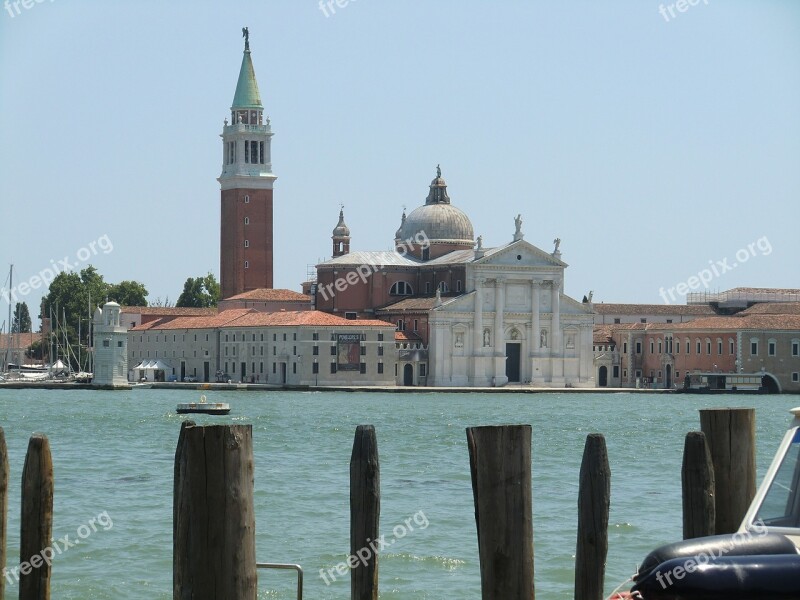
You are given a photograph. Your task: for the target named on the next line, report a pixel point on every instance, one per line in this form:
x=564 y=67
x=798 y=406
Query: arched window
x=247 y=199
x=401 y=288
x=247 y=243
x=442 y=287
x=458 y=285
x=247 y=220
x=246 y=264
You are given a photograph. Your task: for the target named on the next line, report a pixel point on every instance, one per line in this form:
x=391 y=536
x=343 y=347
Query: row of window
x=403 y=288
x=314 y=337
x=314 y=350
x=314 y=368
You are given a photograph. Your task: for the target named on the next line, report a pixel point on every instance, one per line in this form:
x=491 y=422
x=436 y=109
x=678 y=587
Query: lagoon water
x=113 y=452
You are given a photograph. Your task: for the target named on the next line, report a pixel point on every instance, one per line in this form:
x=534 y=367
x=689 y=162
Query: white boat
x=761 y=560
x=204 y=407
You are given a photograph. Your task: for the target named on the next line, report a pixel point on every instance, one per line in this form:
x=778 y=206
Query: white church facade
x=515 y=325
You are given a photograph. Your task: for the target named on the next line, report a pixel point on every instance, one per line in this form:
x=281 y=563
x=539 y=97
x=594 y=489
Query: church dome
x=438 y=220
x=341 y=229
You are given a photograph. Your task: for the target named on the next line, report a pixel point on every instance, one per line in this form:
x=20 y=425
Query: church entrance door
x=513 y=362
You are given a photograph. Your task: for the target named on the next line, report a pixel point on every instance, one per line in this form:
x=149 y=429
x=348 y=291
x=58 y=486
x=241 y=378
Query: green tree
x=22 y=318
x=35 y=350
x=128 y=293
x=200 y=292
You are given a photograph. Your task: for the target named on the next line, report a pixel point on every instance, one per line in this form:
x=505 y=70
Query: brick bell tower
x=246 y=189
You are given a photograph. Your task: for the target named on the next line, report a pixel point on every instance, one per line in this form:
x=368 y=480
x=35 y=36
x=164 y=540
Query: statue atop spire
x=246 y=36
x=438 y=171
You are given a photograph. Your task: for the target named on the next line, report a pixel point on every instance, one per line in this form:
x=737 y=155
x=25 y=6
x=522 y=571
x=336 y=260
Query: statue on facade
x=438 y=171
x=543 y=338
x=480 y=243
x=246 y=36
x=557 y=242
x=518 y=224
x=591 y=293
x=486 y=339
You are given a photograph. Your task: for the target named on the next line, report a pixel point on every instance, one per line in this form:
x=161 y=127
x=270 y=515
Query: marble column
x=535 y=325
x=555 y=302
x=478 y=321
x=499 y=307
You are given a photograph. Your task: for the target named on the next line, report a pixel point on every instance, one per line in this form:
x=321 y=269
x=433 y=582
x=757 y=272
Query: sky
x=659 y=145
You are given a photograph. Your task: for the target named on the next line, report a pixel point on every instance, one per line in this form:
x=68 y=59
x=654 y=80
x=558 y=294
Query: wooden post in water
x=214 y=522
x=500 y=464
x=36 y=521
x=365 y=512
x=697 y=478
x=594 y=502
x=731 y=434
x=3 y=506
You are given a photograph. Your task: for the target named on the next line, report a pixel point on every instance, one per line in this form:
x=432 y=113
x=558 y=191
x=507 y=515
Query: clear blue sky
x=649 y=146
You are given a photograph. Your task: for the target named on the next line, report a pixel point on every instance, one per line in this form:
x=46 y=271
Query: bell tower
x=341 y=237
x=246 y=184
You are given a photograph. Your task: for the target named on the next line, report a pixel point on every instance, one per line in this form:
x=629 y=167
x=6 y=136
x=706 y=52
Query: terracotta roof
x=168 y=311
x=271 y=295
x=248 y=317
x=773 y=308
x=737 y=322
x=602 y=335
x=201 y=322
x=300 y=318
x=406 y=336
x=652 y=309
x=19 y=340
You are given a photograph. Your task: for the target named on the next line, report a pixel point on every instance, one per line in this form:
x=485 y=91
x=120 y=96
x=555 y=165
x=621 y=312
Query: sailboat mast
x=10 y=326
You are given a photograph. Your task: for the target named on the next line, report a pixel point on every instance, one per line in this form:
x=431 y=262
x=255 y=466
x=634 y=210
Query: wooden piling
x=731 y=433
x=3 y=506
x=214 y=521
x=365 y=511
x=594 y=501
x=697 y=478
x=500 y=465
x=36 y=520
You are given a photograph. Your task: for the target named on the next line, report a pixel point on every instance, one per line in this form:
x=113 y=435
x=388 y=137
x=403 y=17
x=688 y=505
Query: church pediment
x=519 y=254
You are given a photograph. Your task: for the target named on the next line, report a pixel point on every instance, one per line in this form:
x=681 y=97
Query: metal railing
x=287 y=567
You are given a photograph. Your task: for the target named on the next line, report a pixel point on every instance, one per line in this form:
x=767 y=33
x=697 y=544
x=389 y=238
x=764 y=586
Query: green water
x=113 y=458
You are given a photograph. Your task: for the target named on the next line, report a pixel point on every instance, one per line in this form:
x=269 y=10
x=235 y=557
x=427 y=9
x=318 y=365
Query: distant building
x=615 y=314
x=480 y=316
x=110 y=347
x=281 y=348
x=761 y=339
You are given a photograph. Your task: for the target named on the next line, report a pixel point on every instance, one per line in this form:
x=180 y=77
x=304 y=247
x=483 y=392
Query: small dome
x=341 y=230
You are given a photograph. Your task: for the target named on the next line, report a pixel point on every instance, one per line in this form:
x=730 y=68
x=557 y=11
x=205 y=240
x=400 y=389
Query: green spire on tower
x=247 y=95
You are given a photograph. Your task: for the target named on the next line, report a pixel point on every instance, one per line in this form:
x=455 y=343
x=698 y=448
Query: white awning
x=152 y=365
